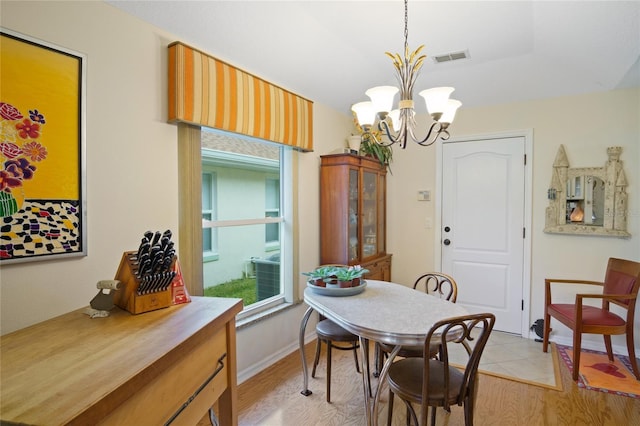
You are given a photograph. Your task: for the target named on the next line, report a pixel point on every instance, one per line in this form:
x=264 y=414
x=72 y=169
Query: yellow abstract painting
x=41 y=149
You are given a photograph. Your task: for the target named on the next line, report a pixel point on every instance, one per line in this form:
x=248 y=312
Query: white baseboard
x=254 y=369
x=586 y=344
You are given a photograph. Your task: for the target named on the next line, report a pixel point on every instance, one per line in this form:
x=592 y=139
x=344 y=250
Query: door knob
x=446 y=242
x=447 y=229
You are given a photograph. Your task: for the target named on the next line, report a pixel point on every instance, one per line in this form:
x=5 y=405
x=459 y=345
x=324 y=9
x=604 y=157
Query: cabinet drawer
x=172 y=387
x=379 y=269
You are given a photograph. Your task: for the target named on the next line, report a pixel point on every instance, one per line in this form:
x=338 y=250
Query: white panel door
x=482 y=226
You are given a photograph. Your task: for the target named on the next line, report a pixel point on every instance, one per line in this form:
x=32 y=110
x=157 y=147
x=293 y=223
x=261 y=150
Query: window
x=245 y=244
x=272 y=209
x=209 y=235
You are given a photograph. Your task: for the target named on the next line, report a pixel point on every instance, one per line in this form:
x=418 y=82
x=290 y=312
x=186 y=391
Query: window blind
x=206 y=91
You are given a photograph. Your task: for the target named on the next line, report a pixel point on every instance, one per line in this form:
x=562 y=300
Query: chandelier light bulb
x=382 y=98
x=450 y=111
x=395 y=119
x=365 y=113
x=436 y=99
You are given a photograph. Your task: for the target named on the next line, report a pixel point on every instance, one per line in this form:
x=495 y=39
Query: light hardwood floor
x=273 y=398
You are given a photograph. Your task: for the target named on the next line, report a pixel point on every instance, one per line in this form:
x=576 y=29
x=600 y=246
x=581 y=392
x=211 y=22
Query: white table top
x=385 y=312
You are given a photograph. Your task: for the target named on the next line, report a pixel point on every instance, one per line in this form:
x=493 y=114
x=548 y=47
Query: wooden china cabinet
x=353 y=213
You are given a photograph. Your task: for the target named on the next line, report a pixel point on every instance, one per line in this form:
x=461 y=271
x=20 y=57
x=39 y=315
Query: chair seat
x=411 y=351
x=405 y=379
x=326 y=329
x=590 y=315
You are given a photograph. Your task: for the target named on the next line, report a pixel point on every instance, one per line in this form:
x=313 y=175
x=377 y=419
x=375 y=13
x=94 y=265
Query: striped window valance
x=206 y=91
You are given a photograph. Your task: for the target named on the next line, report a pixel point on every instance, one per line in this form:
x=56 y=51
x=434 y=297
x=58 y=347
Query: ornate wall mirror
x=588 y=200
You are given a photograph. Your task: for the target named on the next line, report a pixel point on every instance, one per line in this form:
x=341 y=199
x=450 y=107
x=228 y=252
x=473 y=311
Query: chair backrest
x=622 y=277
x=472 y=329
x=439 y=284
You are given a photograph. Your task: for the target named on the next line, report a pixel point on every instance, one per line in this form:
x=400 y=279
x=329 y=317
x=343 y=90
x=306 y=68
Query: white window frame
x=273 y=244
x=287 y=294
x=210 y=255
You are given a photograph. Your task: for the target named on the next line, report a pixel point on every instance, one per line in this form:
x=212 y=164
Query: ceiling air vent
x=453 y=56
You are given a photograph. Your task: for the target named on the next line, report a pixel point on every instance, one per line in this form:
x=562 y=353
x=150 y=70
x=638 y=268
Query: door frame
x=527 y=134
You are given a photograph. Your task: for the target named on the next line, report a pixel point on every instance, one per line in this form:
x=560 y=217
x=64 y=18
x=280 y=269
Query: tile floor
x=511 y=355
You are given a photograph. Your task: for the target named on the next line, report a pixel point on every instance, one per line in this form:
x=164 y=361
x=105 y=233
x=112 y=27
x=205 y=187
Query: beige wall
x=586 y=125
x=130 y=147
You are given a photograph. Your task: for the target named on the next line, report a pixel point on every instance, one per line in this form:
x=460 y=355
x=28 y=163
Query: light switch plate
x=428 y=223
x=424 y=195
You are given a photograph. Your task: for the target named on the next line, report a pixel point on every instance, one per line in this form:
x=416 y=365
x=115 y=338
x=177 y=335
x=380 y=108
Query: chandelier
x=400 y=124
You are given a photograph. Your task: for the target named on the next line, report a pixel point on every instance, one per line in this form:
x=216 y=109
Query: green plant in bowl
x=321 y=275
x=350 y=276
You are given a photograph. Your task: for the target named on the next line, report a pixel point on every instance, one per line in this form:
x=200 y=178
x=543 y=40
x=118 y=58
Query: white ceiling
x=332 y=51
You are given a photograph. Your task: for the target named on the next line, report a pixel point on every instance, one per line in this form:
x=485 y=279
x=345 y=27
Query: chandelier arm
x=384 y=127
x=439 y=129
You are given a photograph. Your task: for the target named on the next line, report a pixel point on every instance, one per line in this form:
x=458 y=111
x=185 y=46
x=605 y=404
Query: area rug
x=597 y=373
x=557 y=385
x=557 y=380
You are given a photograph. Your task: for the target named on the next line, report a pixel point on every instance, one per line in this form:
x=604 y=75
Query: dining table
x=378 y=311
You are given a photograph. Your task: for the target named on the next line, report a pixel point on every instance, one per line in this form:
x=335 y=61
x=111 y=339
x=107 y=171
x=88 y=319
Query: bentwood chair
x=434 y=283
x=620 y=288
x=429 y=382
x=330 y=333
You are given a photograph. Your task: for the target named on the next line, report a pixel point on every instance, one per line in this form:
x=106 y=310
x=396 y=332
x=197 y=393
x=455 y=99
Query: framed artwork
x=43 y=211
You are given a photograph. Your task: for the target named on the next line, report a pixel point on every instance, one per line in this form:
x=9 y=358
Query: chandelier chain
x=406 y=26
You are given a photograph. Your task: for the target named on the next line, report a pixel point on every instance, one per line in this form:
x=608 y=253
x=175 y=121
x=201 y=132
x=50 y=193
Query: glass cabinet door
x=381 y=214
x=369 y=214
x=354 y=217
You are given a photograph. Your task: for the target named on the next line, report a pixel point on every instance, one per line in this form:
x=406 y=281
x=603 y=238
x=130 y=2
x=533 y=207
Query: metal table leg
x=371 y=410
x=303 y=325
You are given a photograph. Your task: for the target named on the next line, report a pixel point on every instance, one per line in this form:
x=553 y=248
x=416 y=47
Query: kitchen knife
x=156 y=238
x=142 y=285
x=143 y=249
x=156 y=251
x=144 y=268
x=164 y=243
x=156 y=263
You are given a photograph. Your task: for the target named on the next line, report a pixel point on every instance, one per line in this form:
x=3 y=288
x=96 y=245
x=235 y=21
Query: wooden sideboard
x=123 y=369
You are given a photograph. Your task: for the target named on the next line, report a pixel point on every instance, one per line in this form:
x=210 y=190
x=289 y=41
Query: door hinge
x=524 y=232
x=525 y=159
x=522 y=307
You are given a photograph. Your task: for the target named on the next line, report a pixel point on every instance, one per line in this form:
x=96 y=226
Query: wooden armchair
x=620 y=287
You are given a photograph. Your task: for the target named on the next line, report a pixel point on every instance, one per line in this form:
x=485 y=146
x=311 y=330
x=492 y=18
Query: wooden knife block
x=126 y=296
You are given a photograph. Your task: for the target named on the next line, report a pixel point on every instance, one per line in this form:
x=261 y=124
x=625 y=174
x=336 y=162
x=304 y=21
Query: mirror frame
x=615 y=197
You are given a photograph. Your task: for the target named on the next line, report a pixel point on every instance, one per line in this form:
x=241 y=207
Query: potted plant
x=370 y=148
x=350 y=276
x=320 y=276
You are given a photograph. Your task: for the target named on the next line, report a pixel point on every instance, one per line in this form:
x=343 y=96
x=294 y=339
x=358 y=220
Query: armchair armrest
x=548 y=281
x=606 y=298
x=565 y=281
